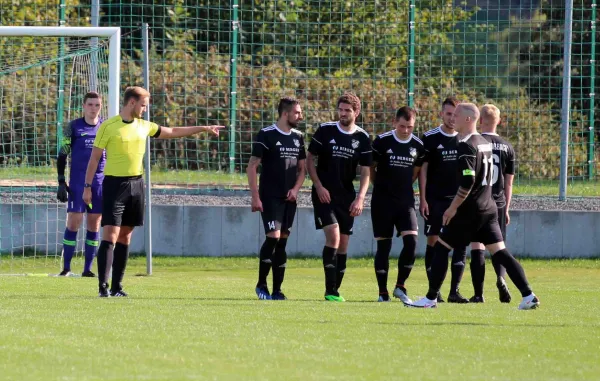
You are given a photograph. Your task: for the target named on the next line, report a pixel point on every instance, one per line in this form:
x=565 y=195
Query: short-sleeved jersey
x=503 y=154
x=78 y=140
x=475 y=161
x=340 y=152
x=441 y=156
x=279 y=152
x=396 y=160
x=124 y=144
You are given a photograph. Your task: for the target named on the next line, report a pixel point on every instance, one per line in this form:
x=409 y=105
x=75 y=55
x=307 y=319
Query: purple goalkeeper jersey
x=82 y=137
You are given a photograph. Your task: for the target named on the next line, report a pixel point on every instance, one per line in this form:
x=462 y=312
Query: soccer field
x=198 y=318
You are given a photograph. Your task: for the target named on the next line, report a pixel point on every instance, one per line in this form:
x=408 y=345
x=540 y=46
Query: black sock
x=382 y=263
x=478 y=270
x=439 y=268
x=499 y=269
x=428 y=258
x=279 y=264
x=340 y=268
x=513 y=269
x=329 y=266
x=121 y=254
x=265 y=260
x=459 y=258
x=104 y=259
x=406 y=259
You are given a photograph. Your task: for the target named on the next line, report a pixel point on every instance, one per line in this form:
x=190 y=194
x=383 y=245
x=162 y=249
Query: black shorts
x=502 y=221
x=433 y=223
x=467 y=227
x=387 y=213
x=336 y=212
x=123 y=201
x=278 y=214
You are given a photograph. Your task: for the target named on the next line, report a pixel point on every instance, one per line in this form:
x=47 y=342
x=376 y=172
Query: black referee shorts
x=336 y=212
x=278 y=214
x=123 y=201
x=387 y=213
x=433 y=223
x=467 y=227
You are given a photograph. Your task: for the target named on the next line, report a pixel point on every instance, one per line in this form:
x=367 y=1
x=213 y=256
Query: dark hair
x=406 y=113
x=134 y=92
x=286 y=104
x=91 y=95
x=450 y=101
x=351 y=99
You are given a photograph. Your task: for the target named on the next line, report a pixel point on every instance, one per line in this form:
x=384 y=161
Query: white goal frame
x=114 y=50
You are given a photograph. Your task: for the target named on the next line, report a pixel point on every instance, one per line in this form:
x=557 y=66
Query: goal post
x=114 y=50
x=44 y=75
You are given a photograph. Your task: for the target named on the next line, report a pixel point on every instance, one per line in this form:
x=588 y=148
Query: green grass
x=197 y=318
x=212 y=179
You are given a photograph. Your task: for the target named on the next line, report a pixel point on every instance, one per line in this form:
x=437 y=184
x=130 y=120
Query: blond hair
x=135 y=92
x=490 y=113
x=471 y=109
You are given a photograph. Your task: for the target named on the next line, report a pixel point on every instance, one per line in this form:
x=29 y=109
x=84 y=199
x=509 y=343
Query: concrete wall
x=226 y=231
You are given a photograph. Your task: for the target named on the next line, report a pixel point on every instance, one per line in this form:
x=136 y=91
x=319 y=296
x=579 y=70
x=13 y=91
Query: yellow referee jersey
x=124 y=144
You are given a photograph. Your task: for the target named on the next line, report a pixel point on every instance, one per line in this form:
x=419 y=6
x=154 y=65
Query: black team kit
x=339 y=153
x=503 y=157
x=279 y=153
x=393 y=205
x=442 y=184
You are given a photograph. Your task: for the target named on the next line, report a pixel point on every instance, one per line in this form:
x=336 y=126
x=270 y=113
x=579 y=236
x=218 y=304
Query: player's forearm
x=364 y=181
x=372 y=174
x=61 y=164
x=508 y=186
x=301 y=175
x=312 y=171
x=460 y=197
x=252 y=178
x=416 y=171
x=423 y=181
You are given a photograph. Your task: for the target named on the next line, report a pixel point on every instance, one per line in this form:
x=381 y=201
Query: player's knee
x=432 y=239
x=274 y=234
x=93 y=222
x=495 y=247
x=74 y=221
x=477 y=246
x=384 y=246
x=332 y=235
x=442 y=243
x=343 y=245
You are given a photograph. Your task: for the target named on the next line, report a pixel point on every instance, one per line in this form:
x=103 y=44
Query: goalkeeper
x=78 y=142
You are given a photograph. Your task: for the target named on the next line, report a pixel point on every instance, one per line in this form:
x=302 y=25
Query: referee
x=123 y=137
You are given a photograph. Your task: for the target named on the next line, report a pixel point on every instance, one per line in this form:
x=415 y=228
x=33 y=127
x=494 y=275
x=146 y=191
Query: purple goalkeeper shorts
x=76 y=203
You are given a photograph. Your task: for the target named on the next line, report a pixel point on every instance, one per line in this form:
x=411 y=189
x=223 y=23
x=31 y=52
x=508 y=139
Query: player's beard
x=449 y=126
x=292 y=124
x=346 y=122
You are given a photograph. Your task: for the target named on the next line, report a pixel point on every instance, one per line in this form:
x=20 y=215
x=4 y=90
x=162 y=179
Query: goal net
x=43 y=80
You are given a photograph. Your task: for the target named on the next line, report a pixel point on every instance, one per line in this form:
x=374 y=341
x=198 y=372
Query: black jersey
x=339 y=154
x=503 y=155
x=396 y=160
x=279 y=153
x=441 y=156
x=475 y=162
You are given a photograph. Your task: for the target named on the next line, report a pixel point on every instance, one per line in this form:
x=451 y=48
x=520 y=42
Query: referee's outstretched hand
x=62 y=194
x=214 y=129
x=323 y=194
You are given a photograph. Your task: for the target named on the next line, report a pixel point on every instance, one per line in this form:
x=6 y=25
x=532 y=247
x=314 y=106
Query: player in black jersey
x=473 y=216
x=397 y=159
x=340 y=147
x=438 y=185
x=280 y=150
x=503 y=156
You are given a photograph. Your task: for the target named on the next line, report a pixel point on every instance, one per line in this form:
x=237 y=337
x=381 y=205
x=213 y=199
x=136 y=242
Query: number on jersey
x=488 y=171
